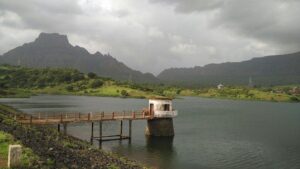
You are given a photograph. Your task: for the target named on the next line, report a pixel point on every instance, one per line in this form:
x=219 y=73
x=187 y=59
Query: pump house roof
x=160 y=98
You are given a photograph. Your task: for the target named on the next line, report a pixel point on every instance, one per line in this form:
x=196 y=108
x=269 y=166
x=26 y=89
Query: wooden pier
x=91 y=117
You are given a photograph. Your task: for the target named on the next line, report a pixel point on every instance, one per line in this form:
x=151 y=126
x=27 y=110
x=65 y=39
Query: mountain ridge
x=54 y=50
x=267 y=70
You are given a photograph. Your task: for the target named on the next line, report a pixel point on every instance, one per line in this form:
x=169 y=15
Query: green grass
x=5 y=140
x=244 y=93
x=24 y=82
x=27 y=158
x=111 y=90
x=15 y=93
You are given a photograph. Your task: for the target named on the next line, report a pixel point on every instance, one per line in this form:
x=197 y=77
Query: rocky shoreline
x=57 y=150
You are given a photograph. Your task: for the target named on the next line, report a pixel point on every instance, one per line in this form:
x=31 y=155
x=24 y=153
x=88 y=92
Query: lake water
x=209 y=133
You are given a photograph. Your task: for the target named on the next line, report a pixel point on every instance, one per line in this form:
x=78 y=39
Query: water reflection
x=210 y=133
x=163 y=150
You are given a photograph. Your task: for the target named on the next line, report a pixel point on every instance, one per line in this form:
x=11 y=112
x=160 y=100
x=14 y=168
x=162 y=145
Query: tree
x=294 y=99
x=78 y=76
x=96 y=83
x=69 y=88
x=91 y=75
x=124 y=93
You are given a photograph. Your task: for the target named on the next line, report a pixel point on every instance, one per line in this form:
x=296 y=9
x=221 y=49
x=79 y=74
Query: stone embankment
x=57 y=150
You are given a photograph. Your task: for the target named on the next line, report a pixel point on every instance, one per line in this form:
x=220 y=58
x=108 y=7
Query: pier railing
x=92 y=117
x=55 y=118
x=162 y=114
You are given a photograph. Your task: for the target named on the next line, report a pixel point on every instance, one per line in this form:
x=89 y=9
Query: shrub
x=91 y=75
x=69 y=88
x=96 y=83
x=294 y=99
x=124 y=93
x=78 y=76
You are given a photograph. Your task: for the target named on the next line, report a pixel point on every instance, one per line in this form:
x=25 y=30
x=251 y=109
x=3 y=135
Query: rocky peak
x=52 y=39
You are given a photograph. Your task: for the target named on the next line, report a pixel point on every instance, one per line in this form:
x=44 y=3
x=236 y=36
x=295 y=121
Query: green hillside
x=264 y=71
x=16 y=81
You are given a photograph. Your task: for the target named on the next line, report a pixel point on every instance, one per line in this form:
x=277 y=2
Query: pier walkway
x=90 y=117
x=60 y=118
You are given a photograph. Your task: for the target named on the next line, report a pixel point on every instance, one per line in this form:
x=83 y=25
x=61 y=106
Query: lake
x=209 y=133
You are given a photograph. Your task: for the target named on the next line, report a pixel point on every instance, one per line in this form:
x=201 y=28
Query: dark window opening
x=151 y=108
x=166 y=107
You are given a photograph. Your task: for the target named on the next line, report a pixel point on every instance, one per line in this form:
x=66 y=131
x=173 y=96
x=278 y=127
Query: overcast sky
x=151 y=35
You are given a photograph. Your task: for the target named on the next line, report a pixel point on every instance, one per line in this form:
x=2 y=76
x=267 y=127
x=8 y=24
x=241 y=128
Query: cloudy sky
x=151 y=35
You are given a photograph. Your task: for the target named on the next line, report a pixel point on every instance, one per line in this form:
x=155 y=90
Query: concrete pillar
x=14 y=156
x=160 y=127
x=65 y=128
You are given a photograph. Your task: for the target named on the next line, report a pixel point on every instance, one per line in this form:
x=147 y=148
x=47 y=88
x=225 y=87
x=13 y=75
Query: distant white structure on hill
x=295 y=90
x=250 y=83
x=220 y=86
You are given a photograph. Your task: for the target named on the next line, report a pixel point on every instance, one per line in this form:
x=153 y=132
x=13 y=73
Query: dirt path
x=3 y=162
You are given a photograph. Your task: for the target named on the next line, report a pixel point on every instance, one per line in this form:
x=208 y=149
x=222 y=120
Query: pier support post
x=65 y=128
x=100 y=134
x=92 y=133
x=121 y=129
x=58 y=127
x=129 y=128
x=31 y=120
x=160 y=127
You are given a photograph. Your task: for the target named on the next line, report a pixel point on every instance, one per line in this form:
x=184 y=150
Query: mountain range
x=263 y=71
x=54 y=50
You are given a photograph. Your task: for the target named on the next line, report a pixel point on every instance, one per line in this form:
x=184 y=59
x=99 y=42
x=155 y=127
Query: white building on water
x=162 y=113
x=162 y=107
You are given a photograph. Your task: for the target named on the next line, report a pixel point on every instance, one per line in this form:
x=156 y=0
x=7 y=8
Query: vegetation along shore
x=16 y=81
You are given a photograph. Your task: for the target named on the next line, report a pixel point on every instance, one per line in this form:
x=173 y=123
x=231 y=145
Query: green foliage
x=96 y=83
x=15 y=83
x=124 y=93
x=91 y=75
x=69 y=144
x=5 y=140
x=22 y=82
x=113 y=166
x=28 y=158
x=294 y=99
x=21 y=77
x=259 y=93
x=69 y=88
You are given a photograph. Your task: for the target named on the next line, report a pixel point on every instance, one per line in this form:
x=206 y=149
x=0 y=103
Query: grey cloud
x=271 y=21
x=188 y=6
x=151 y=35
x=53 y=6
x=274 y=22
x=44 y=15
x=122 y=13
